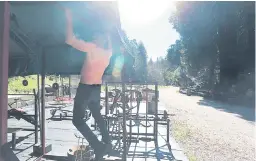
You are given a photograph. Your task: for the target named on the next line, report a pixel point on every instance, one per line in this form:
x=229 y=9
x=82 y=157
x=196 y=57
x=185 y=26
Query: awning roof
x=41 y=25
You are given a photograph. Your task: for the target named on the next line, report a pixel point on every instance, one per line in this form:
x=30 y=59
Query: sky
x=147 y=20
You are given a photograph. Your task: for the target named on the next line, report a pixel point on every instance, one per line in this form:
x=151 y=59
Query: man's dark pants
x=89 y=96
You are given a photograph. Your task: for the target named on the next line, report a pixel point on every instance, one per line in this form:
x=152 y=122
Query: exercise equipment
x=121 y=113
x=19 y=113
x=63 y=114
x=55 y=86
x=25 y=82
x=80 y=152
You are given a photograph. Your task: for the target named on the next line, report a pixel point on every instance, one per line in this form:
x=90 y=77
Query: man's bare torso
x=94 y=66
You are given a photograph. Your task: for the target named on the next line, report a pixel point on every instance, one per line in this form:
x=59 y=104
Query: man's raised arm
x=72 y=40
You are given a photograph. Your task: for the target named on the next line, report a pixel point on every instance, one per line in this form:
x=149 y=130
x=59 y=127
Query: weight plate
x=25 y=82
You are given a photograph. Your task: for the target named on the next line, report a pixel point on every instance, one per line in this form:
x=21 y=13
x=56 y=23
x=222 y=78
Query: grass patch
x=163 y=86
x=180 y=132
x=15 y=85
x=191 y=157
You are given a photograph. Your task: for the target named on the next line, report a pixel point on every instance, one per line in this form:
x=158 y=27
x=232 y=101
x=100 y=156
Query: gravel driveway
x=209 y=130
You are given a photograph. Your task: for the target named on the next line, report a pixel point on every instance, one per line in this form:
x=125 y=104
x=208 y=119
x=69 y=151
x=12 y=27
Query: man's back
x=94 y=66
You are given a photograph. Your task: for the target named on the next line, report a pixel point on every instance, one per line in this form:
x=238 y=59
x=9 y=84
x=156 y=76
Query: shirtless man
x=89 y=89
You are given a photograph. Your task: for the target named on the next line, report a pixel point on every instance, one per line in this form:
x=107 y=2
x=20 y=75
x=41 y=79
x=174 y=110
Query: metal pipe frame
x=4 y=62
x=157 y=118
x=106 y=100
x=132 y=83
x=156 y=114
x=38 y=100
x=36 y=116
x=22 y=94
x=146 y=134
x=43 y=103
x=69 y=86
x=35 y=110
x=124 y=125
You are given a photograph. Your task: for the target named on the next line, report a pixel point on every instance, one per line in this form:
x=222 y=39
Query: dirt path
x=209 y=130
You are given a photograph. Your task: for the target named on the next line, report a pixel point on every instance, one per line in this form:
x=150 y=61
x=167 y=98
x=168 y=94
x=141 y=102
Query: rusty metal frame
x=4 y=62
x=43 y=102
x=127 y=116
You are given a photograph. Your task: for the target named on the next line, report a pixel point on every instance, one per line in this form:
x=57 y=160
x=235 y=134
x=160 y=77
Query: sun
x=140 y=12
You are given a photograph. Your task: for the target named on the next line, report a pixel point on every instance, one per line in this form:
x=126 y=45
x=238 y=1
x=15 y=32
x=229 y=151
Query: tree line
x=217 y=45
x=216 y=49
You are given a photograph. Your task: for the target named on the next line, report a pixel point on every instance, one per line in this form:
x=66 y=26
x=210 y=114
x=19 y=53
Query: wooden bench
x=13 y=131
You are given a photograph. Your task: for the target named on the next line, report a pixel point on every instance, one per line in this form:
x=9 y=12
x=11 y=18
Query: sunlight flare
x=140 y=12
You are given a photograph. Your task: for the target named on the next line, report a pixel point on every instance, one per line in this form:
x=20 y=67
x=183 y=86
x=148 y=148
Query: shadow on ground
x=154 y=154
x=246 y=113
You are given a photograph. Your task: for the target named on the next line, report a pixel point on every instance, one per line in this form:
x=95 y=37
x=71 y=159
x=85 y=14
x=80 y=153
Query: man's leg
x=80 y=102
x=95 y=109
x=94 y=106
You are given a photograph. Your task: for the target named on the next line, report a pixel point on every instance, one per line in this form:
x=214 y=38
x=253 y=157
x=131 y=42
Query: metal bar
x=43 y=102
x=135 y=133
x=124 y=122
x=39 y=158
x=151 y=115
x=20 y=3
x=13 y=141
x=69 y=86
x=38 y=84
x=20 y=42
x=106 y=99
x=137 y=119
x=130 y=130
x=38 y=103
x=38 y=95
x=146 y=117
x=156 y=111
x=134 y=83
x=62 y=86
x=130 y=96
x=20 y=94
x=4 y=62
x=36 y=117
x=130 y=122
x=119 y=129
x=168 y=131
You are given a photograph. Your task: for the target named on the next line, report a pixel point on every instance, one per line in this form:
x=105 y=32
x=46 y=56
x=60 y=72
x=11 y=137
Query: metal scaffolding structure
x=121 y=101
